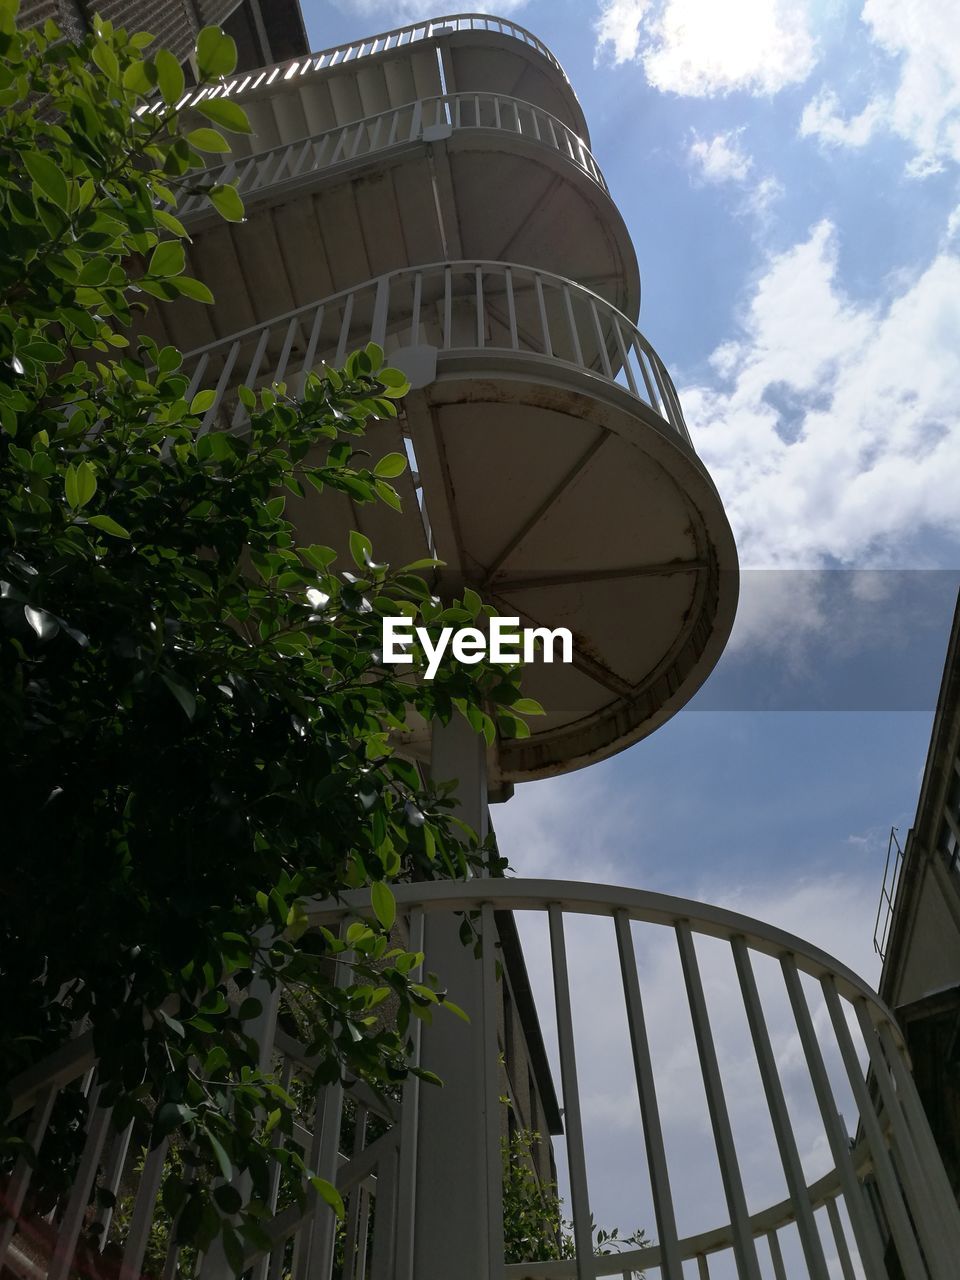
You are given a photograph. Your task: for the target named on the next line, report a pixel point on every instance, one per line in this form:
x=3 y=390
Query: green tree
x=195 y=721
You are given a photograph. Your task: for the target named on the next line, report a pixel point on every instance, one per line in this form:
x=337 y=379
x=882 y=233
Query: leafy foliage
x=195 y=722
x=534 y=1228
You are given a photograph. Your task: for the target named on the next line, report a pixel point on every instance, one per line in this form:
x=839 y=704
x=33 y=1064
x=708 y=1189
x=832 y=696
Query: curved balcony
x=763 y=1070
x=557 y=478
x=453 y=176
x=277 y=170
x=455 y=32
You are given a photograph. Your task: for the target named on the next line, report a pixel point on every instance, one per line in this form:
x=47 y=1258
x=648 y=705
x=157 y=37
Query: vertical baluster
x=891 y=1194
x=301 y=159
x=338 y=149
x=319 y=1232
x=571 y=1098
x=222 y=383
x=542 y=308
x=535 y=120
x=840 y=1240
x=281 y=368
x=553 y=132
x=572 y=323
x=779 y=1116
x=511 y=308
x=385 y=1217
x=703 y=1267
x=19 y=1183
x=498 y=123
x=478 y=302
x=601 y=340
x=671 y=1265
x=72 y=1221
x=861 y=1218
x=447 y=307
x=261 y=1269
x=415 y=313
x=394 y=129
x=252 y=373
x=352 y=1224
x=112 y=1172
x=491 y=1095
x=310 y=354
x=631 y=380
x=409 y=1118
x=361 y=134
x=344 y=331
x=476 y=110
x=744 y=1247
x=138 y=1235
x=644 y=372
x=776 y=1256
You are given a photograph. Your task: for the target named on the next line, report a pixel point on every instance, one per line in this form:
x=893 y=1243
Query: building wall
x=921 y=971
x=264 y=31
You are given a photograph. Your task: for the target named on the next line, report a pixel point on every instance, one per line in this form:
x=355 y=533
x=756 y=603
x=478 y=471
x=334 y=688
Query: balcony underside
x=480 y=193
x=556 y=476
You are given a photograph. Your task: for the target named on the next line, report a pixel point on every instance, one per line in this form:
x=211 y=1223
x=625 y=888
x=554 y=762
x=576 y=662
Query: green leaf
x=167 y=259
x=136 y=78
x=374 y=354
x=182 y=694
x=319 y=556
x=80 y=484
x=202 y=401
x=208 y=140
x=216 y=53
x=169 y=77
x=226 y=202
x=109 y=526
x=328 y=1192
x=225 y=113
x=191 y=288
x=528 y=707
x=219 y=1151
x=228 y=1198
x=48 y=177
x=361 y=549
x=106 y=60
x=390 y=465
x=384 y=904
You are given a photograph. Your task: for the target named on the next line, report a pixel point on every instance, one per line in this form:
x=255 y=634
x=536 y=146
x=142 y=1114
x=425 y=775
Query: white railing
x=885 y=1202
x=487 y=312
x=289 y=162
x=387 y=41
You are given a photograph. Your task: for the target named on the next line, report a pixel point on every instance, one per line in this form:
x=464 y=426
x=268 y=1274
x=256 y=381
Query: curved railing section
x=544 y=322
x=828 y=1060
x=425 y=120
x=387 y=41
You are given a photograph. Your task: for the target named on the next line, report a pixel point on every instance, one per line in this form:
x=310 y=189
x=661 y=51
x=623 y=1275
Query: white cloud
x=700 y=48
x=924 y=105
x=720 y=158
x=821 y=118
x=831 y=427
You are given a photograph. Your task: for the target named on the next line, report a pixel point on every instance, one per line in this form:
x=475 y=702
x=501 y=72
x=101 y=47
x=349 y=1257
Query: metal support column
x=454 y=1232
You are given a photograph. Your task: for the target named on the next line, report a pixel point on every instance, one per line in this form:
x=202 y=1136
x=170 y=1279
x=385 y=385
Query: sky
x=789 y=171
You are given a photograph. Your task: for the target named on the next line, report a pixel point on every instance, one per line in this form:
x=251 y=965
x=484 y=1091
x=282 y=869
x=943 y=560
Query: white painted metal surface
x=458 y=308
x=298 y=163
x=885 y=1198
x=370 y=46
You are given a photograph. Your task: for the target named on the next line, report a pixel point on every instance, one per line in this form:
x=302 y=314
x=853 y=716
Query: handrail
x=894 y=1152
x=385 y=42
x=399 y=126
x=470 y=308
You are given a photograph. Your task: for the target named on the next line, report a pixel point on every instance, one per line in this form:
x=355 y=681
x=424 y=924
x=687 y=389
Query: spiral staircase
x=431 y=189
